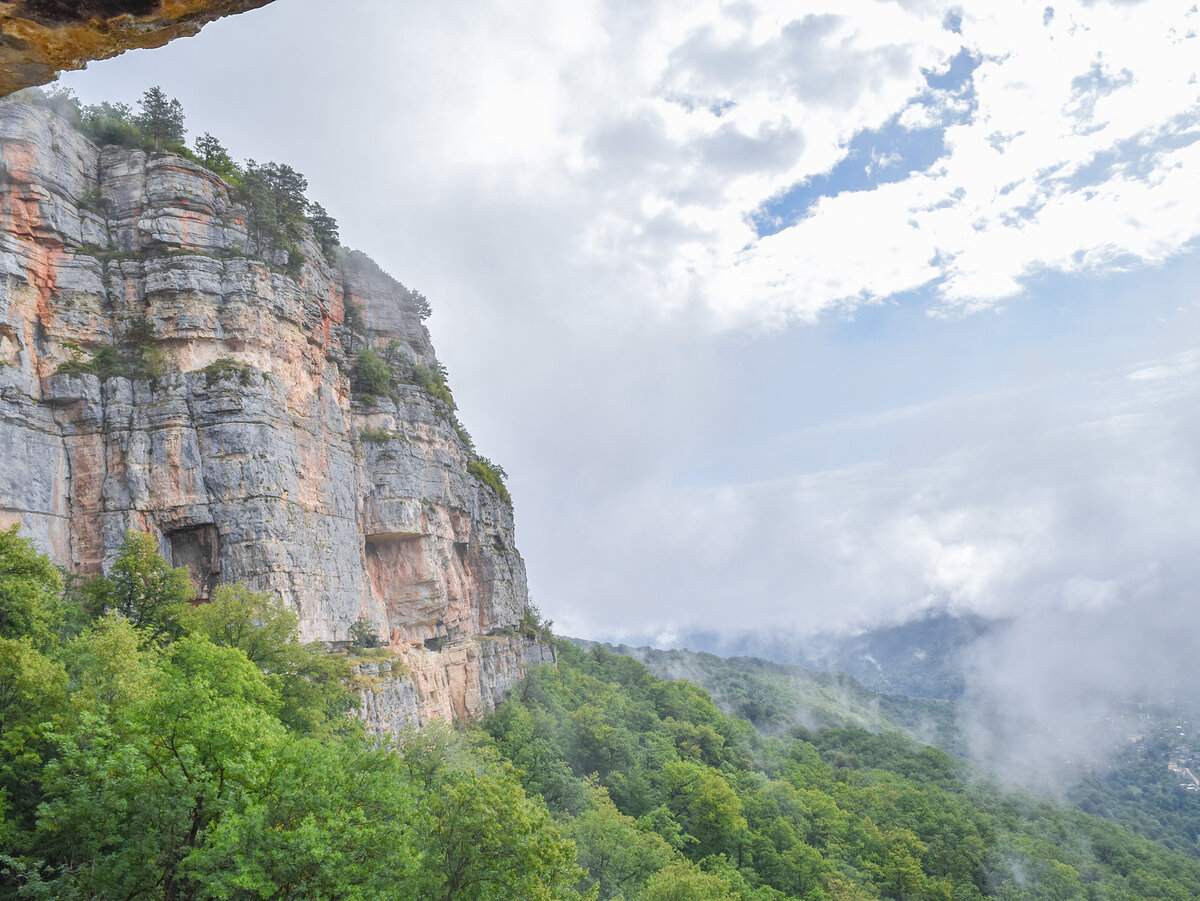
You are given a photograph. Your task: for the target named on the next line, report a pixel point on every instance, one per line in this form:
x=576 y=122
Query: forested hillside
x=152 y=749
x=643 y=772
x=1140 y=782
x=775 y=697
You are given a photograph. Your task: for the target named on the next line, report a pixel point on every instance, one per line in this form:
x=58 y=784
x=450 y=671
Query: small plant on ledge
x=374 y=436
x=491 y=475
x=222 y=367
x=363 y=634
x=533 y=626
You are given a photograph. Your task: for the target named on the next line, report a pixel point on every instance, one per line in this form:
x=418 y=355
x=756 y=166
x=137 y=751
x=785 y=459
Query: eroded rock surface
x=247 y=456
x=40 y=38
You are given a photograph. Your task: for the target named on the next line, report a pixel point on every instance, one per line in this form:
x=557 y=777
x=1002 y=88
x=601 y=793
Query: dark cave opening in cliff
x=199 y=549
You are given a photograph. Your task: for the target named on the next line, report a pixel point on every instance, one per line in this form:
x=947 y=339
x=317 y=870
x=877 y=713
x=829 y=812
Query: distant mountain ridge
x=922 y=658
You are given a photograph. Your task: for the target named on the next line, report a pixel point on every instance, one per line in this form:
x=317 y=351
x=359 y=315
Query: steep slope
x=238 y=444
x=775 y=697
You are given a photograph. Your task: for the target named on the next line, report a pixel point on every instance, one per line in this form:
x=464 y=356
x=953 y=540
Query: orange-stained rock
x=245 y=455
x=36 y=43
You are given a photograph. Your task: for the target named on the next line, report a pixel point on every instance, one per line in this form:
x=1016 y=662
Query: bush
x=372 y=375
x=139 y=357
x=30 y=587
x=491 y=475
x=433 y=380
x=532 y=623
x=224 y=367
x=363 y=634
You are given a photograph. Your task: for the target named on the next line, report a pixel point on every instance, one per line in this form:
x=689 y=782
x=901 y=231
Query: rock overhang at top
x=40 y=38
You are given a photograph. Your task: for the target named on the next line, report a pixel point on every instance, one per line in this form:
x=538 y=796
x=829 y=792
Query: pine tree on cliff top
x=160 y=117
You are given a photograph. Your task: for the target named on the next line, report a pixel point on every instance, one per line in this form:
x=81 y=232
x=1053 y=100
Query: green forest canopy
x=151 y=749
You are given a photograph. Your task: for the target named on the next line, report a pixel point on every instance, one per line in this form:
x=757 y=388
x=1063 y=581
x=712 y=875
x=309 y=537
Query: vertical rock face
x=246 y=456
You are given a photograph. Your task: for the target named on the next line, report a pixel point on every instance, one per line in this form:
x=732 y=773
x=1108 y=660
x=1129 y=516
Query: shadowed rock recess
x=39 y=38
x=245 y=456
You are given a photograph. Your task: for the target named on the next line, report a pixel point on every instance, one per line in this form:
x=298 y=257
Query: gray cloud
x=811 y=60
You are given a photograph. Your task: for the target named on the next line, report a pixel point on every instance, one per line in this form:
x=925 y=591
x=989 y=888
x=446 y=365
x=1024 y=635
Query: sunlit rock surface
x=39 y=38
x=246 y=458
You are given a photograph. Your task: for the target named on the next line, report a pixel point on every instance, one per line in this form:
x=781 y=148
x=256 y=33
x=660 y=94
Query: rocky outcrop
x=244 y=450
x=39 y=38
x=453 y=683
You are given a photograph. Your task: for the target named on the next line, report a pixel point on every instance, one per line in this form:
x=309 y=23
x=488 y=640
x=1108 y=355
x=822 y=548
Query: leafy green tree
x=421 y=303
x=372 y=376
x=684 y=881
x=483 y=838
x=273 y=194
x=706 y=806
x=138 y=786
x=33 y=690
x=254 y=192
x=142 y=587
x=111 y=123
x=30 y=591
x=336 y=821
x=160 y=118
x=618 y=856
x=287 y=187
x=311 y=683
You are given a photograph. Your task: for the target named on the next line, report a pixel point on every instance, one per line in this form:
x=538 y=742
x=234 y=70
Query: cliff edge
x=244 y=450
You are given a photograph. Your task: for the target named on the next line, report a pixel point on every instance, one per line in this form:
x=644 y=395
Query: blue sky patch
x=876 y=156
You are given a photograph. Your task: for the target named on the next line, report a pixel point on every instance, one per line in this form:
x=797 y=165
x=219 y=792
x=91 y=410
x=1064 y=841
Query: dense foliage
x=1136 y=787
x=154 y=750
x=1132 y=784
x=667 y=797
x=151 y=749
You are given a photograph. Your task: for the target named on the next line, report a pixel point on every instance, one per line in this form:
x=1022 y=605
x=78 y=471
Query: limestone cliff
x=246 y=454
x=39 y=38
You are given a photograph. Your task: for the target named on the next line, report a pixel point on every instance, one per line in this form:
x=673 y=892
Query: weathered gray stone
x=257 y=460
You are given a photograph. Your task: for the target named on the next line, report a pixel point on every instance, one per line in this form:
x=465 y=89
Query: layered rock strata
x=39 y=38
x=466 y=677
x=246 y=455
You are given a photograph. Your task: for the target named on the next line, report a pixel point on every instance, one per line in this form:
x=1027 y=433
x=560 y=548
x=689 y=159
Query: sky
x=777 y=321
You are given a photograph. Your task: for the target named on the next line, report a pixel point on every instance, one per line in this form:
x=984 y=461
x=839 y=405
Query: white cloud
x=1072 y=497
x=1079 y=154
x=653 y=132
x=1108 y=88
